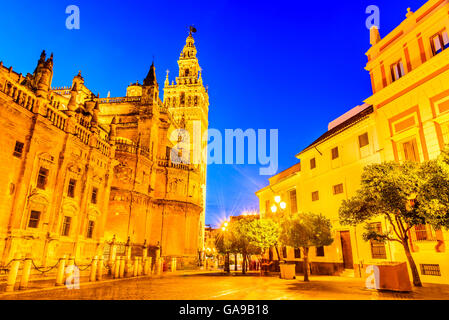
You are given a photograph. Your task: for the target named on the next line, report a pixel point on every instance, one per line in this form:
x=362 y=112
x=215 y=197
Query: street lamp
x=224 y=229
x=280 y=206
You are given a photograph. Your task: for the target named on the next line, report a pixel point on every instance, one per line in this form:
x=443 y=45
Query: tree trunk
x=235 y=262
x=227 y=267
x=277 y=252
x=243 y=263
x=306 y=263
x=411 y=262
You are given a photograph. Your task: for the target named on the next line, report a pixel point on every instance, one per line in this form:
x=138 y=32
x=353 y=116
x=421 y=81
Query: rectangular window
x=334 y=153
x=312 y=163
x=293 y=203
x=363 y=140
x=430 y=269
x=18 y=149
x=297 y=253
x=320 y=251
x=71 y=188
x=377 y=248
x=423 y=232
x=410 y=151
x=284 y=252
x=397 y=71
x=439 y=42
x=93 y=198
x=66 y=226
x=90 y=229
x=34 y=219
x=338 y=188
x=315 y=196
x=42 y=178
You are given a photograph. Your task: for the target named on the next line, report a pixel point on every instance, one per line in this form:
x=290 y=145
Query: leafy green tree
x=247 y=236
x=432 y=198
x=387 y=190
x=262 y=234
x=306 y=230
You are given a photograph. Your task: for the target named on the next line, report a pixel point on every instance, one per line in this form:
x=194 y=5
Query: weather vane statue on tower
x=192 y=29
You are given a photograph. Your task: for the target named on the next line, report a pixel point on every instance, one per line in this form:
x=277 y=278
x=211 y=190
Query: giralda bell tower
x=188 y=102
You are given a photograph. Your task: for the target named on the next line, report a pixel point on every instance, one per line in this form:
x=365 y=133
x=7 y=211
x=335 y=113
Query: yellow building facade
x=79 y=171
x=406 y=118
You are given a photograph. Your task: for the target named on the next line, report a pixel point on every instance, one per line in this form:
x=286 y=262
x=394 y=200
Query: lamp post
x=224 y=230
x=278 y=206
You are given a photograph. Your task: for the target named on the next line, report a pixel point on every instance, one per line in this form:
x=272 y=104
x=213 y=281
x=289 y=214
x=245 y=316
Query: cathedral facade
x=79 y=171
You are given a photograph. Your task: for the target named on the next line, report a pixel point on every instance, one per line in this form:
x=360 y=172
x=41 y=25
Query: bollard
x=60 y=271
x=173 y=265
x=128 y=267
x=100 y=269
x=93 y=269
x=159 y=266
x=122 y=267
x=117 y=268
x=150 y=265
x=140 y=269
x=25 y=272
x=12 y=274
x=136 y=266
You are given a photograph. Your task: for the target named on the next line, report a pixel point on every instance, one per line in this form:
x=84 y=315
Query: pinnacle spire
x=374 y=35
x=151 y=76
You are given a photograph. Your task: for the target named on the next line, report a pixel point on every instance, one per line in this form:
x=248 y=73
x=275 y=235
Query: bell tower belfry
x=187 y=100
x=187 y=97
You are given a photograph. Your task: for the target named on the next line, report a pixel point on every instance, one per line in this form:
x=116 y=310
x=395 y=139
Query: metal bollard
x=135 y=266
x=25 y=272
x=117 y=268
x=159 y=266
x=122 y=267
x=12 y=274
x=140 y=269
x=60 y=272
x=100 y=269
x=147 y=266
x=93 y=269
x=173 y=265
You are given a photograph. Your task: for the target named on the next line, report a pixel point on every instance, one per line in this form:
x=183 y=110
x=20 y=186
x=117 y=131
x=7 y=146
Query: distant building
x=406 y=118
x=78 y=171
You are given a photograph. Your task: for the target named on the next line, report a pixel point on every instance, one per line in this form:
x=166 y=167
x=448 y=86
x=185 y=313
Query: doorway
x=346 y=249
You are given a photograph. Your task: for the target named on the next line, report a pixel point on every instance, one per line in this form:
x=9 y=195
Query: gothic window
x=90 y=229
x=18 y=149
x=42 y=178
x=195 y=100
x=71 y=188
x=182 y=99
x=34 y=219
x=189 y=101
x=66 y=226
x=187 y=73
x=94 y=195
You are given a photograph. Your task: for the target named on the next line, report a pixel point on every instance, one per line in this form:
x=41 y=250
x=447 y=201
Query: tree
x=306 y=230
x=388 y=190
x=432 y=199
x=263 y=234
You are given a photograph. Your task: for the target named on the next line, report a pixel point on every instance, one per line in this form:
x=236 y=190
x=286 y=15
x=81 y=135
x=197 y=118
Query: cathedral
x=79 y=172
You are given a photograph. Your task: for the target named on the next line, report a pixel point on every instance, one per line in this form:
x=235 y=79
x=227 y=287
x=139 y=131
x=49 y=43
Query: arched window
x=182 y=99
x=187 y=72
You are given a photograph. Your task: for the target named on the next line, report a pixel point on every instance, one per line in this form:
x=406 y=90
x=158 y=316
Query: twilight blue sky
x=287 y=65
